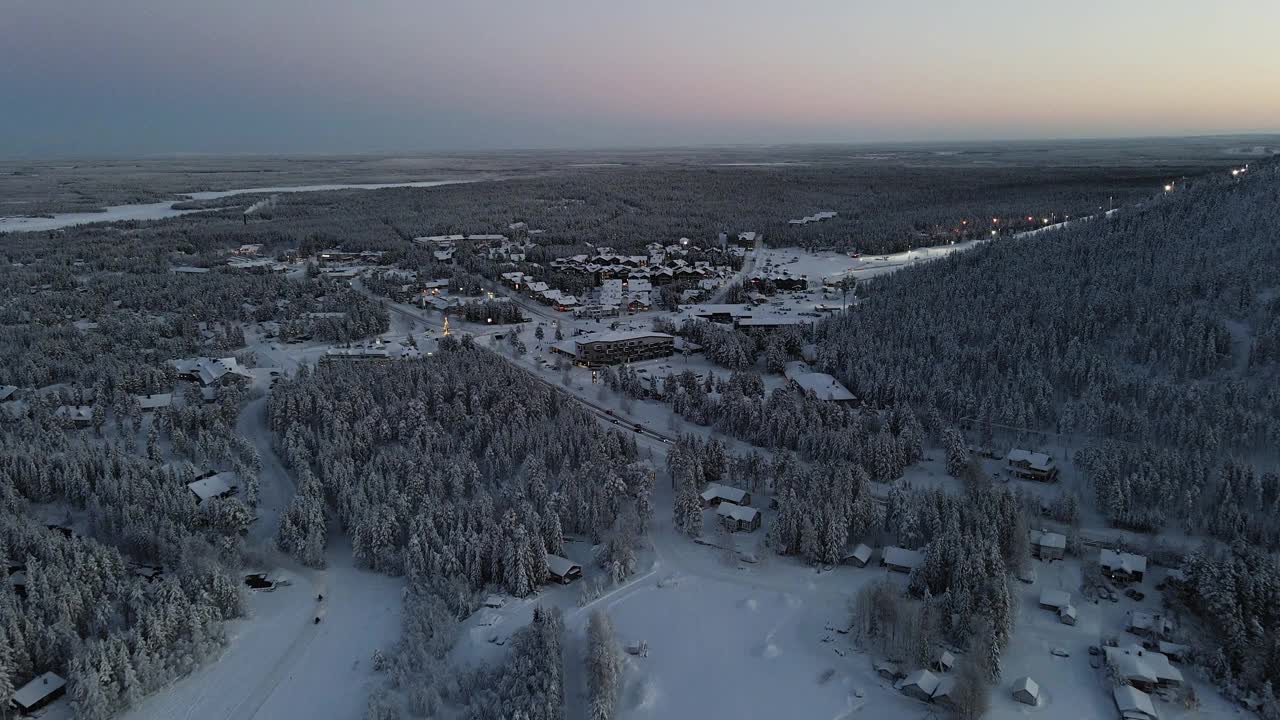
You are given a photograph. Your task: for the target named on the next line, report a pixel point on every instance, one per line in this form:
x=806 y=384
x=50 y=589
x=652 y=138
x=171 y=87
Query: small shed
x=920 y=685
x=1067 y=615
x=900 y=559
x=943 y=661
x=1050 y=546
x=859 y=556
x=888 y=670
x=562 y=570
x=1134 y=704
x=1026 y=691
x=41 y=691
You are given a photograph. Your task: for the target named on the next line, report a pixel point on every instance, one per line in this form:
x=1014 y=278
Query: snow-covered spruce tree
x=957 y=453
x=604 y=668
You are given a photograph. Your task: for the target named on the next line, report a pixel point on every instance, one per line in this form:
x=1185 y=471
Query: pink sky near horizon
x=519 y=74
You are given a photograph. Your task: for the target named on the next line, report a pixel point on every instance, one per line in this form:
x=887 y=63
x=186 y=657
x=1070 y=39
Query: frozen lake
x=162 y=210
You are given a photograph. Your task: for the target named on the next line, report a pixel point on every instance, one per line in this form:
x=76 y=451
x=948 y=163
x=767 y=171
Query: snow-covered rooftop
x=38 y=689
x=716 y=491
x=1130 y=699
x=561 y=566
x=212 y=486
x=741 y=513
x=1055 y=598
x=901 y=557
x=1033 y=460
x=154 y=401
x=1128 y=562
x=822 y=385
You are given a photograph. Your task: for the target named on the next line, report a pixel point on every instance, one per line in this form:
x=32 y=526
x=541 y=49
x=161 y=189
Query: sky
x=131 y=77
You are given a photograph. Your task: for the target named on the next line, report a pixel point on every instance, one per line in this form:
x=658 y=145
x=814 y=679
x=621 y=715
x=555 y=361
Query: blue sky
x=322 y=76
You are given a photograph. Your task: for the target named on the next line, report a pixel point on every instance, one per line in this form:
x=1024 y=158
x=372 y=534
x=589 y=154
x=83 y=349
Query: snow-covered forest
x=1143 y=348
x=88 y=610
x=457 y=467
x=1141 y=328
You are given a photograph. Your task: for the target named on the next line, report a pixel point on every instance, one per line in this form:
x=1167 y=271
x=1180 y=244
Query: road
x=748 y=264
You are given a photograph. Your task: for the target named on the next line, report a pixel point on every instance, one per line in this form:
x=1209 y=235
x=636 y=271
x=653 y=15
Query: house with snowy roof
x=823 y=386
x=154 y=401
x=1142 y=668
x=900 y=559
x=1026 y=691
x=1134 y=704
x=738 y=518
x=717 y=493
x=920 y=685
x=210 y=371
x=1049 y=545
x=1122 y=566
x=78 y=415
x=1054 y=599
x=859 y=556
x=214 y=486
x=943 y=661
x=562 y=570
x=1032 y=465
x=944 y=694
x=38 y=693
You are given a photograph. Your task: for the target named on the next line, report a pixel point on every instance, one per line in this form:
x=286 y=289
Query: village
x=1092 y=637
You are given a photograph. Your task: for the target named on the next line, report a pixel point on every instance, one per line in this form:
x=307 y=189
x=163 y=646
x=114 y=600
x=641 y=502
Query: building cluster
x=616 y=347
x=1139 y=669
x=210 y=373
x=733 y=507
x=540 y=291
x=377 y=351
x=658 y=268
x=258 y=264
x=748 y=319
x=778 y=278
x=498 y=247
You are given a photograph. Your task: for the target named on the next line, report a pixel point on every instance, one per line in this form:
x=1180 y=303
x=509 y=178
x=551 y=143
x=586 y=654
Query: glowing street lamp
x=1168 y=187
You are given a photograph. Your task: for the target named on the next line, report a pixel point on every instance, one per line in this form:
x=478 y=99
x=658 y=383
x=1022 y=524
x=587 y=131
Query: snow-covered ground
x=282 y=664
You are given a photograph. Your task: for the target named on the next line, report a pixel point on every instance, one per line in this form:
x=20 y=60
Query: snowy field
x=281 y=663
